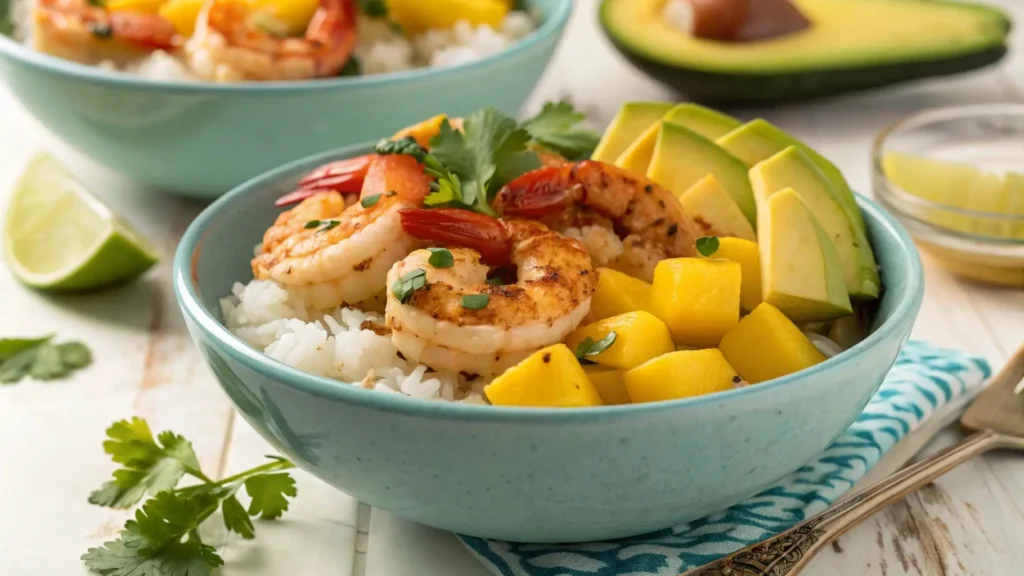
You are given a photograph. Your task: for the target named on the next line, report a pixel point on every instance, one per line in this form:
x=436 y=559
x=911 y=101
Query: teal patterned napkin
x=923 y=380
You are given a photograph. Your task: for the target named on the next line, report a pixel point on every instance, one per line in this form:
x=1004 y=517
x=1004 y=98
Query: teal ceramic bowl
x=531 y=475
x=200 y=140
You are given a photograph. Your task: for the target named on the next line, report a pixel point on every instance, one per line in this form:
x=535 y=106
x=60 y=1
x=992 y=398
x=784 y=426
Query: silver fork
x=996 y=419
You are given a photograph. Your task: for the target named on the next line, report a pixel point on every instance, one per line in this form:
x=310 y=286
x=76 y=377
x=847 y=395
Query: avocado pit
x=736 y=21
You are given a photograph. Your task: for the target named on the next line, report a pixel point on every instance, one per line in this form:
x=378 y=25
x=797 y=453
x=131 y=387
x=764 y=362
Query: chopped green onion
x=475 y=301
x=590 y=348
x=409 y=283
x=707 y=245
x=441 y=258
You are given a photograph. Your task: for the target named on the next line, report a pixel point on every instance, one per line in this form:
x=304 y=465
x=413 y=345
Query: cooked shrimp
x=332 y=254
x=347 y=176
x=432 y=324
x=79 y=31
x=594 y=194
x=226 y=47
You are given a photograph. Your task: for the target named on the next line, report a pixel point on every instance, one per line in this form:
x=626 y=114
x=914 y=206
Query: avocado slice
x=800 y=270
x=792 y=168
x=682 y=158
x=714 y=212
x=851 y=45
x=708 y=123
x=633 y=119
x=759 y=139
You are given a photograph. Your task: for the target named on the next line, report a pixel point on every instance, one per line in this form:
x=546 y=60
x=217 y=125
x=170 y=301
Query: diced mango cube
x=680 y=375
x=744 y=253
x=639 y=336
x=551 y=377
x=141 y=6
x=699 y=299
x=285 y=17
x=182 y=14
x=423 y=132
x=766 y=345
x=618 y=293
x=609 y=383
x=416 y=16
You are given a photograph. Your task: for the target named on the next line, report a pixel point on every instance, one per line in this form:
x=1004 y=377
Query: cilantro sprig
x=707 y=245
x=163 y=538
x=588 y=347
x=557 y=128
x=40 y=358
x=491 y=150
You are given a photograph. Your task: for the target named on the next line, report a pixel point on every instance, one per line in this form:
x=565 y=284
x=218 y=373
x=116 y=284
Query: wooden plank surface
x=967 y=523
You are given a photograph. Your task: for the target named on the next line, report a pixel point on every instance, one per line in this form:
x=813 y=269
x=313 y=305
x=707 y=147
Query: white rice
x=338 y=344
x=380 y=50
x=601 y=242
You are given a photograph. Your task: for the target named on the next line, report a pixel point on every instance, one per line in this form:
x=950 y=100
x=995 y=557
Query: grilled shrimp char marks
x=226 y=47
x=648 y=218
x=331 y=253
x=555 y=282
x=79 y=31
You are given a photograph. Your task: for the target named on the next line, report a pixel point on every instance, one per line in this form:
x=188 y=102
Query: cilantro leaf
x=124 y=558
x=40 y=359
x=148 y=467
x=167 y=517
x=10 y=347
x=488 y=152
x=268 y=493
x=556 y=128
x=236 y=519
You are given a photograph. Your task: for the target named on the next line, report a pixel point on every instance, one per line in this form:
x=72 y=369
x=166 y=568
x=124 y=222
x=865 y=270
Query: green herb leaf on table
x=440 y=258
x=557 y=128
x=588 y=347
x=163 y=537
x=148 y=467
x=707 y=245
x=40 y=359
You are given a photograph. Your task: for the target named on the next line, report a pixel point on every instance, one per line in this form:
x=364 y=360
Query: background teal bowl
x=200 y=140
x=531 y=475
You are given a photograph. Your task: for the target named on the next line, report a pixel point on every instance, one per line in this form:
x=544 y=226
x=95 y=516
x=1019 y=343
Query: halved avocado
x=851 y=45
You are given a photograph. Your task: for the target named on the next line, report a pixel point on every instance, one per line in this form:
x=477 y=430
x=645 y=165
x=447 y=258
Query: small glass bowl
x=983 y=246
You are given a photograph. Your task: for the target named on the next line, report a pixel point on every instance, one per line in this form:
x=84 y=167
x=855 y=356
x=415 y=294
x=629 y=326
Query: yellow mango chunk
x=140 y=6
x=416 y=16
x=767 y=345
x=609 y=384
x=618 y=293
x=698 y=298
x=424 y=131
x=639 y=336
x=182 y=14
x=551 y=377
x=285 y=17
x=746 y=254
x=680 y=375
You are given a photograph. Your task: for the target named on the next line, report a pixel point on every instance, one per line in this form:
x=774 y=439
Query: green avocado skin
x=766 y=88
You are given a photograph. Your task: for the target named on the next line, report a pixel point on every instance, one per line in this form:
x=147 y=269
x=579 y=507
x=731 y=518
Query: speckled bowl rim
x=554 y=25
x=192 y=307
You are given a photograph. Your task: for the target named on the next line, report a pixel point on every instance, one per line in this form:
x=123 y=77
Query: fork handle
x=790 y=551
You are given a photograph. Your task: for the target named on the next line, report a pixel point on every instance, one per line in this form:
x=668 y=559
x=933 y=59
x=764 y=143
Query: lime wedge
x=59 y=237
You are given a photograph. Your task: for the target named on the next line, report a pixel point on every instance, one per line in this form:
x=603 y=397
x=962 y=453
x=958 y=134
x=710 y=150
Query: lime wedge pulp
x=59 y=237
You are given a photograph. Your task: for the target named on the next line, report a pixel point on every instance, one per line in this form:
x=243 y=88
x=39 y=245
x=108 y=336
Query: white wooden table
x=968 y=523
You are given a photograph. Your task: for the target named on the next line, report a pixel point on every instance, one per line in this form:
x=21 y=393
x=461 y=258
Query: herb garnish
x=556 y=128
x=475 y=301
x=324 y=225
x=409 y=283
x=163 y=538
x=40 y=359
x=370 y=200
x=707 y=245
x=441 y=258
x=374 y=8
x=590 y=348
